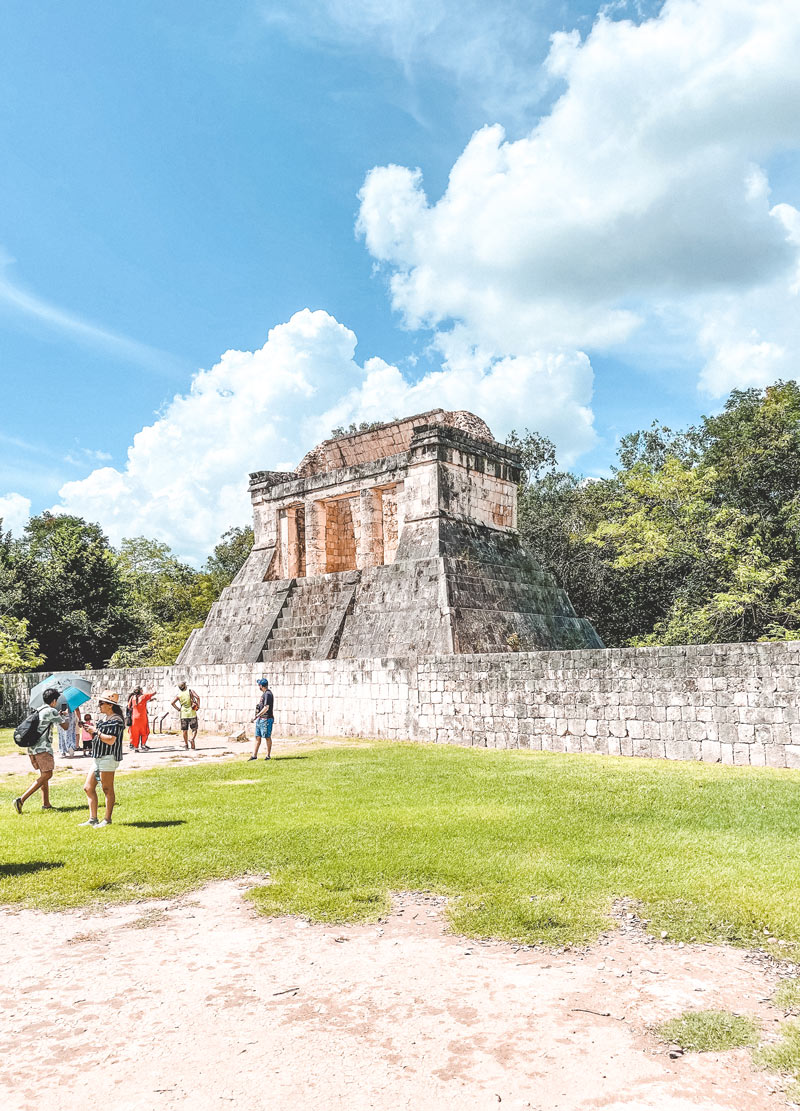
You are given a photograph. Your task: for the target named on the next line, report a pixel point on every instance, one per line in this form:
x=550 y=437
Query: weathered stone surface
x=419 y=515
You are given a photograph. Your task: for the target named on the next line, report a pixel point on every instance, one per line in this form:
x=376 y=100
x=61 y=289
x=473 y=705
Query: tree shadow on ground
x=159 y=824
x=20 y=868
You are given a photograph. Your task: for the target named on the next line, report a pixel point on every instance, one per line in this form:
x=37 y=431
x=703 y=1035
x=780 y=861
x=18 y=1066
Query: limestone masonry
x=397 y=541
x=733 y=703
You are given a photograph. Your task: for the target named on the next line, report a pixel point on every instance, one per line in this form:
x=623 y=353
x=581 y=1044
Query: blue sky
x=270 y=179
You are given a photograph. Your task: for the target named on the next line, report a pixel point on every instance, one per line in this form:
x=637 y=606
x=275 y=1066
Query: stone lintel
x=380 y=472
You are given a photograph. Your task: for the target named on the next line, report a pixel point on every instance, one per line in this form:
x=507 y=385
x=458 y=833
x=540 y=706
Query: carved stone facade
x=401 y=540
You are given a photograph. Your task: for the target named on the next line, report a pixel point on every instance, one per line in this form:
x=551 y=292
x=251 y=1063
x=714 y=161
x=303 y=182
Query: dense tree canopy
x=68 y=586
x=694 y=537
x=68 y=599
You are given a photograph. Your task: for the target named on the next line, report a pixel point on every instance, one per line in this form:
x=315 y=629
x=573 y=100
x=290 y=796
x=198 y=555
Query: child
x=86 y=735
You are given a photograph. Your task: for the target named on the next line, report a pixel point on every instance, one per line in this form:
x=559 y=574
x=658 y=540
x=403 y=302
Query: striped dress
x=112 y=724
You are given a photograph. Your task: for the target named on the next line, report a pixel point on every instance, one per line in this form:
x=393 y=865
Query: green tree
x=695 y=537
x=712 y=516
x=169 y=597
x=18 y=651
x=558 y=512
x=71 y=591
x=228 y=556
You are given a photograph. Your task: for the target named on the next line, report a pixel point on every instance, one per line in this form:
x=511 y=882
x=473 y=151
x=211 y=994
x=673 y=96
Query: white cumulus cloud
x=14 y=512
x=644 y=186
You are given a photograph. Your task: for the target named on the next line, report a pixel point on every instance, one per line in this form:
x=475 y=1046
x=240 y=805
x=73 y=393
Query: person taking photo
x=107 y=737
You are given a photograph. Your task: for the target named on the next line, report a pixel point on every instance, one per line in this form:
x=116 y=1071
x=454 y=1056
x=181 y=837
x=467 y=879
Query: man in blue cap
x=264 y=719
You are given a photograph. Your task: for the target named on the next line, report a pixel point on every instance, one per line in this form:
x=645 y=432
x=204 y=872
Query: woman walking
x=107 y=738
x=140 y=726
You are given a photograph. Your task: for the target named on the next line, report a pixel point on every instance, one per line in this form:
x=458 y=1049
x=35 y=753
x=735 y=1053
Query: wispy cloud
x=489 y=53
x=28 y=304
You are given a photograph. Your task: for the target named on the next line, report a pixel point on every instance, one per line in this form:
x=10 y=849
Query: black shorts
x=189 y=723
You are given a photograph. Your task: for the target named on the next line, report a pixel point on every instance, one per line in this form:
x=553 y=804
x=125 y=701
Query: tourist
x=107 y=738
x=85 y=735
x=68 y=738
x=187 y=703
x=41 y=754
x=264 y=718
x=139 y=723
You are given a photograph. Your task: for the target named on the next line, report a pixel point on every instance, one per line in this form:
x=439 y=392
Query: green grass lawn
x=531 y=846
x=7 y=745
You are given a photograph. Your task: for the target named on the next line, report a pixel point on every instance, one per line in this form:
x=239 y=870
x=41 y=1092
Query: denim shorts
x=264 y=727
x=105 y=764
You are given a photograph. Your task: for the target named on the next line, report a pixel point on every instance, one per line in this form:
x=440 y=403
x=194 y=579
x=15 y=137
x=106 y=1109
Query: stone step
x=307 y=628
x=286 y=654
x=293 y=642
x=284 y=625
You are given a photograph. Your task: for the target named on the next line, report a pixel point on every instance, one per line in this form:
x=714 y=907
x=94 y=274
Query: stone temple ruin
x=394 y=542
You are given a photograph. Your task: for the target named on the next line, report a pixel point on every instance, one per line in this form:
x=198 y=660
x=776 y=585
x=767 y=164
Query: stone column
x=283 y=545
x=292 y=548
x=369 y=534
x=316 y=557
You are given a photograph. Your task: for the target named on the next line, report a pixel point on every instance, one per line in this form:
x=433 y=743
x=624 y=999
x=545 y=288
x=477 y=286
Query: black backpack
x=27 y=732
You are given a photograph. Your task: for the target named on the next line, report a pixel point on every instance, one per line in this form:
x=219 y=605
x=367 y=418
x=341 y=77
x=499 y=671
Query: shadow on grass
x=24 y=866
x=158 y=825
x=282 y=758
x=67 y=809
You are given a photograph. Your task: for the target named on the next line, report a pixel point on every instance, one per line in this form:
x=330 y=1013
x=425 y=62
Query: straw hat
x=109 y=696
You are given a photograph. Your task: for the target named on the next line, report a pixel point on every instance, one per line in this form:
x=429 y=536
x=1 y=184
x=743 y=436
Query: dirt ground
x=166 y=749
x=199 y=1001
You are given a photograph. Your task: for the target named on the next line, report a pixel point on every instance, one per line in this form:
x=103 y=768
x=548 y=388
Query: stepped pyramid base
x=480 y=592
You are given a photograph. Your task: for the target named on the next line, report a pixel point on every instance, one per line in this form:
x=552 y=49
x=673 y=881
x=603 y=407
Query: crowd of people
x=103 y=741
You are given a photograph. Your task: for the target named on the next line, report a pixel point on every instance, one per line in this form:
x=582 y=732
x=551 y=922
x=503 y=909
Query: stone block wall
x=733 y=703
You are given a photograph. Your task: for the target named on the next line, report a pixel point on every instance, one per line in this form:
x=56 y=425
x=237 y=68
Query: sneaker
x=252 y=758
x=101 y=825
x=267 y=757
x=89 y=822
x=145 y=748
x=17 y=804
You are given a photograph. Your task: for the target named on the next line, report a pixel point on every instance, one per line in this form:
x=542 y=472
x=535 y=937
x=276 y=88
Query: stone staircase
x=310 y=622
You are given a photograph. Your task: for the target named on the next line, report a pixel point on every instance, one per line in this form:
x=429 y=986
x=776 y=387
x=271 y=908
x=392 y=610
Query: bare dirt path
x=199 y=1002
x=167 y=749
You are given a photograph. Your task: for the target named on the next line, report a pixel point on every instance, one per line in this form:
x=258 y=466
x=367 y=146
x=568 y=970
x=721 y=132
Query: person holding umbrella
x=107 y=738
x=41 y=754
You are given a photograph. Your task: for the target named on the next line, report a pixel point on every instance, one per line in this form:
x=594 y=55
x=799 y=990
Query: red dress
x=140 y=726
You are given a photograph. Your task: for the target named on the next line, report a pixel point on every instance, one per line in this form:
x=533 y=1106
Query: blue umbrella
x=72 y=697
x=76 y=686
